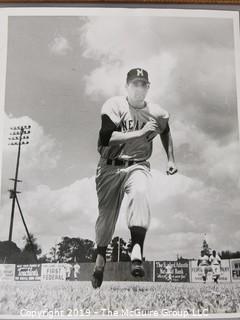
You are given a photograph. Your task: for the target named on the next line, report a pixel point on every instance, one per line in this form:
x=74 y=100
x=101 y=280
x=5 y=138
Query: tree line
x=67 y=250
x=70 y=250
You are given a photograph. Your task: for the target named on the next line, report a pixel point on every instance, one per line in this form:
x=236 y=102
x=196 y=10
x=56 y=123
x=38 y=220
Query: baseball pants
x=205 y=269
x=216 y=270
x=112 y=184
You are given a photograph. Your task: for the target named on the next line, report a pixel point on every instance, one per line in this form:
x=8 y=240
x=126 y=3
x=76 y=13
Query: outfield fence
x=155 y=271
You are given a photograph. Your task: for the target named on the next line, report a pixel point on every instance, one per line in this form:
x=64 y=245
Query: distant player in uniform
x=68 y=268
x=128 y=125
x=76 y=269
x=204 y=264
x=215 y=261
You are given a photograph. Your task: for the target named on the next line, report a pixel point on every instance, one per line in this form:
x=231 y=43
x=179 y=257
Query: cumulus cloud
x=120 y=53
x=200 y=156
x=59 y=46
x=51 y=214
x=182 y=210
x=114 y=77
x=38 y=157
x=224 y=165
x=188 y=207
x=190 y=63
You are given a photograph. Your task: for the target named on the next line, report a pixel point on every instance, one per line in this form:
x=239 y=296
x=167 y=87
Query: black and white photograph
x=120 y=176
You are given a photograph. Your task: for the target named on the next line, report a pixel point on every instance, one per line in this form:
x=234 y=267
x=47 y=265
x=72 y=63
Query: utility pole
x=18 y=136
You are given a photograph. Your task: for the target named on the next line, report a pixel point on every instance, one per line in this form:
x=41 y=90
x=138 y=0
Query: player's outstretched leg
x=97 y=276
x=137 y=236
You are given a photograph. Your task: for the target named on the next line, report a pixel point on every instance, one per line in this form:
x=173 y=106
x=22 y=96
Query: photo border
x=5 y=12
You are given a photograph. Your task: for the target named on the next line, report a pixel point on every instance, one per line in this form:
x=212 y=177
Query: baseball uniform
x=204 y=264
x=215 y=263
x=113 y=179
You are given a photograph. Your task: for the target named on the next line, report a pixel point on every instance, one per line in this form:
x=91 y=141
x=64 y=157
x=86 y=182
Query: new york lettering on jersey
x=118 y=115
x=131 y=125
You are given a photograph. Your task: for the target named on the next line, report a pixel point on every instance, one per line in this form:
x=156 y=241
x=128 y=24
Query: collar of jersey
x=145 y=104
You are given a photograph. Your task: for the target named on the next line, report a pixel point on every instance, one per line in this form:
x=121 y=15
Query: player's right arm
x=124 y=137
x=110 y=132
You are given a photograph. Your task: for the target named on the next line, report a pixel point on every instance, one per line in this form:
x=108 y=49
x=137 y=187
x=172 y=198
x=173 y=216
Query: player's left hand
x=171 y=168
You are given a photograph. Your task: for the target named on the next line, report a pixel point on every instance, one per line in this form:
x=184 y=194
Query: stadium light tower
x=18 y=136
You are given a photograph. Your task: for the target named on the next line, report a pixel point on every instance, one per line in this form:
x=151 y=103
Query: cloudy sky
x=60 y=70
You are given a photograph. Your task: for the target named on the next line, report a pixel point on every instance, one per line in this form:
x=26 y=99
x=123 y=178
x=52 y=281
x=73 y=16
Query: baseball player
x=215 y=261
x=76 y=268
x=68 y=268
x=204 y=264
x=128 y=125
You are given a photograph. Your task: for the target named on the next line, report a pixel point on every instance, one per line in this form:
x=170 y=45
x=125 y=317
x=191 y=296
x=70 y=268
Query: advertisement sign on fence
x=7 y=272
x=28 y=272
x=53 y=271
x=164 y=271
x=172 y=271
x=196 y=273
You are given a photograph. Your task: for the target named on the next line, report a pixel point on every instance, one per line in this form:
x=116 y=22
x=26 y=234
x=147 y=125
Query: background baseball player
x=76 y=271
x=215 y=261
x=128 y=125
x=68 y=268
x=204 y=264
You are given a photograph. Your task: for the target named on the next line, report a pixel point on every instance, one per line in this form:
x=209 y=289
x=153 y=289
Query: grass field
x=75 y=298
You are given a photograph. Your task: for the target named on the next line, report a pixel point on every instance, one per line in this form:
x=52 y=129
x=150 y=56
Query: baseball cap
x=137 y=74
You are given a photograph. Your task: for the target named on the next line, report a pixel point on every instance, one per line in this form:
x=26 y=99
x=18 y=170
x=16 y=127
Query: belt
x=119 y=162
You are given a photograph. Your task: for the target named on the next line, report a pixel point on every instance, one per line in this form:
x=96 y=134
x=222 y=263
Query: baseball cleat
x=97 y=277
x=137 y=269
